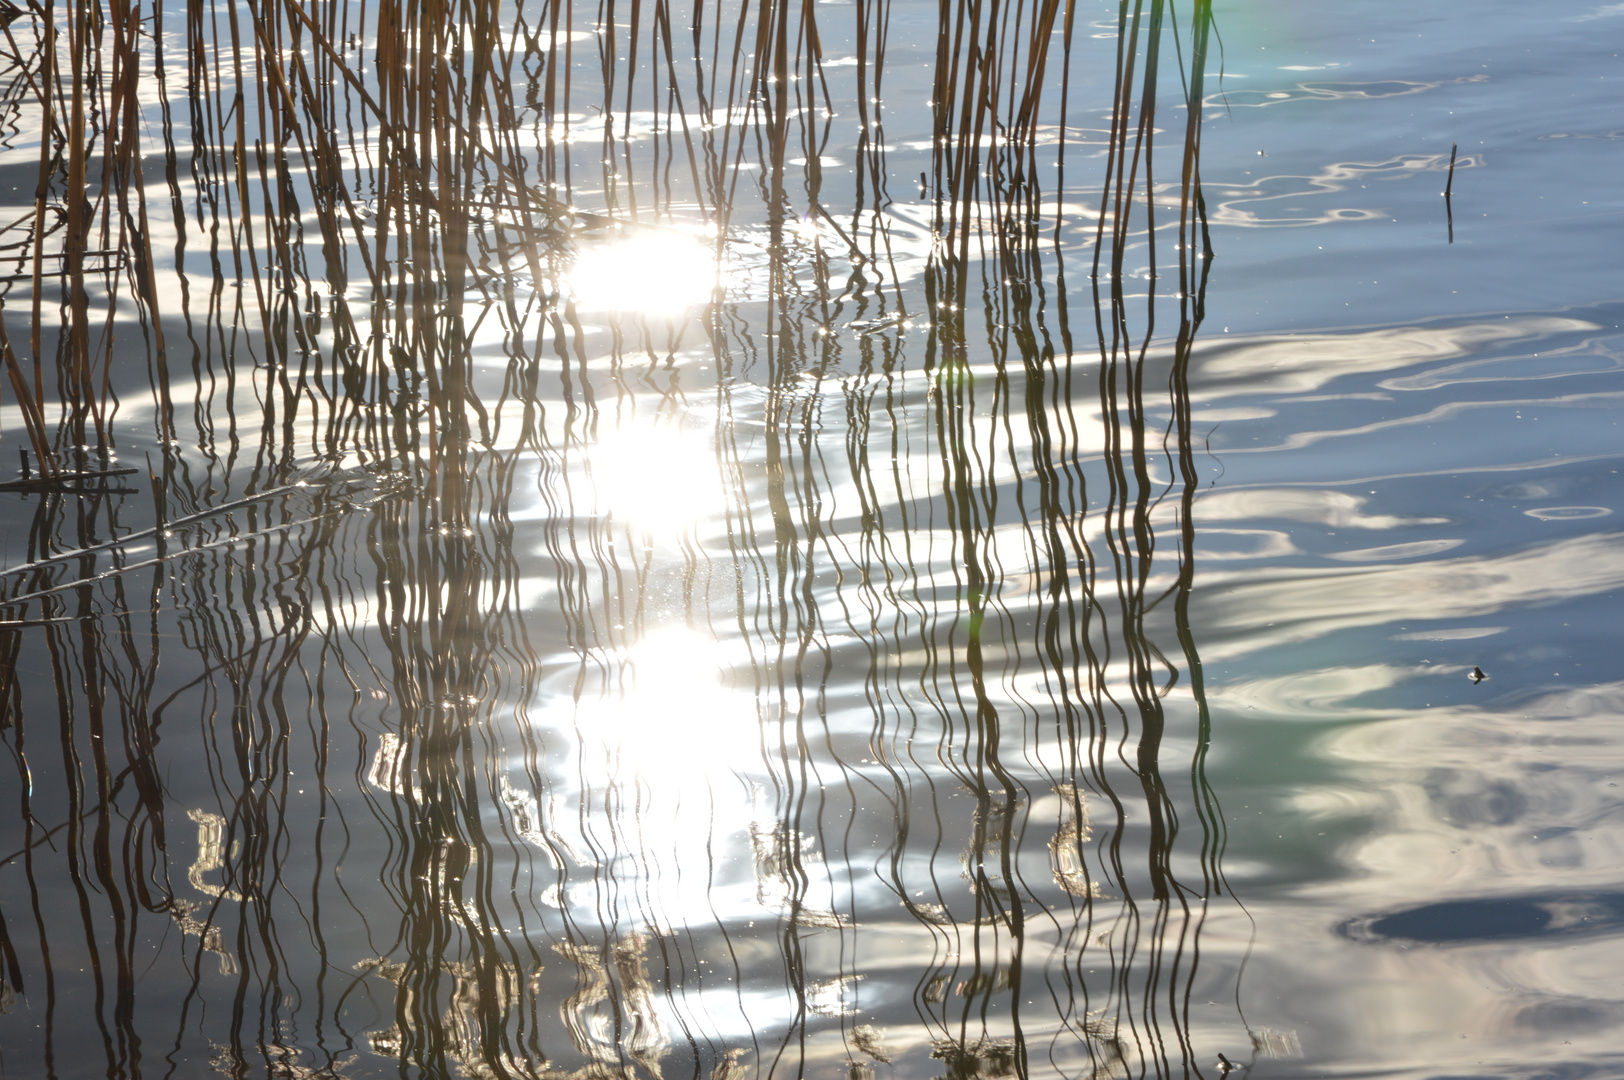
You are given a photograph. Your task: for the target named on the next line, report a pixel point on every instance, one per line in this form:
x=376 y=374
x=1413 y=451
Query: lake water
x=984 y=639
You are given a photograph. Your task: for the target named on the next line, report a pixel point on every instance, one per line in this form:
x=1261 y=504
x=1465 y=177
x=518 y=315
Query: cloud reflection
x=1277 y=365
x=1335 y=509
x=1272 y=607
x=1477 y=848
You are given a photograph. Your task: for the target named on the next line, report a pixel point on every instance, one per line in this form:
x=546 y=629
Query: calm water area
x=810 y=617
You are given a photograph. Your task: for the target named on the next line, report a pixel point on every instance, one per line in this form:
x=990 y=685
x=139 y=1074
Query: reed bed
x=299 y=224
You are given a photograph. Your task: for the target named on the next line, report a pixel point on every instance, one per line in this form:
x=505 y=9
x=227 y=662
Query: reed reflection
x=491 y=680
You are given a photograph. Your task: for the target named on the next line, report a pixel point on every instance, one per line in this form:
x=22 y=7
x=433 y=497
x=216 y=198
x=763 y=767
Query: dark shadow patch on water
x=1568 y=1070
x=1491 y=920
x=1566 y=1014
x=1502 y=918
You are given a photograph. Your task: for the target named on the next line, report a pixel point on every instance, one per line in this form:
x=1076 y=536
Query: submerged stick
x=59 y=479
x=155 y=531
x=1449 y=186
x=115 y=571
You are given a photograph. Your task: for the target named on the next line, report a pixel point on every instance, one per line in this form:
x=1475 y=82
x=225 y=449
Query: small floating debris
x=1270 y=1043
x=870 y=326
x=1225 y=1066
x=1477 y=675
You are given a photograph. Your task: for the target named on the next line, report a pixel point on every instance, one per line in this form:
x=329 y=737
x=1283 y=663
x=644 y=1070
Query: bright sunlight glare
x=659 y=751
x=652 y=272
x=672 y=719
x=657 y=477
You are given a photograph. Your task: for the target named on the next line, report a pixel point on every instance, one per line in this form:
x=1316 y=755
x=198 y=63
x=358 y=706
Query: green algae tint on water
x=857 y=541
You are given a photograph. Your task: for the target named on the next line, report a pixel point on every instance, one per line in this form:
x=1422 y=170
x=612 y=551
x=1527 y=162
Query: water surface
x=867 y=627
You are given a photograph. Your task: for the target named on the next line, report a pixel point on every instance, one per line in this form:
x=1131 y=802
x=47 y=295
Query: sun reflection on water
x=674 y=717
x=661 y=477
x=649 y=271
x=661 y=748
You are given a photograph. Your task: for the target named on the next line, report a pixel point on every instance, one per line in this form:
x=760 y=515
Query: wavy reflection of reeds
x=476 y=684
